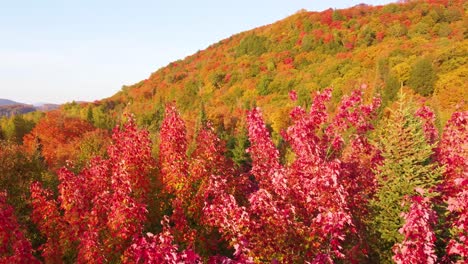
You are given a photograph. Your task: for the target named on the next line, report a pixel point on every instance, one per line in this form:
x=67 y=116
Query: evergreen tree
x=407 y=165
x=239 y=154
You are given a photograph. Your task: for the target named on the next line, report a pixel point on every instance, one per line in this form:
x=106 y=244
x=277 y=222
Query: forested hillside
x=419 y=45
x=327 y=137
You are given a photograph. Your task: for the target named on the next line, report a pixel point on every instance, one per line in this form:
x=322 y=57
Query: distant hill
x=7 y=102
x=418 y=46
x=16 y=109
x=9 y=107
x=47 y=107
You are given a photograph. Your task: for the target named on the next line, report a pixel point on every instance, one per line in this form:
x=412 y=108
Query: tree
x=17 y=170
x=89 y=115
x=172 y=150
x=16 y=127
x=418 y=245
x=407 y=164
x=100 y=210
x=57 y=134
x=297 y=212
x=14 y=246
x=453 y=154
x=390 y=92
x=252 y=45
x=238 y=152
x=422 y=77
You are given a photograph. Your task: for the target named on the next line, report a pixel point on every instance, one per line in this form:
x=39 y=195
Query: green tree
x=217 y=79
x=17 y=171
x=89 y=115
x=443 y=29
x=16 y=127
x=397 y=30
x=422 y=77
x=263 y=86
x=238 y=152
x=337 y=16
x=392 y=85
x=407 y=164
x=252 y=45
x=308 y=43
x=367 y=37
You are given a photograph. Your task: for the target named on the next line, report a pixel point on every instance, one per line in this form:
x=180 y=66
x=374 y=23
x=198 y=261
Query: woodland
x=338 y=136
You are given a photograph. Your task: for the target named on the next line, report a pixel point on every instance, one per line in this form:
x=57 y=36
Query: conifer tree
x=407 y=165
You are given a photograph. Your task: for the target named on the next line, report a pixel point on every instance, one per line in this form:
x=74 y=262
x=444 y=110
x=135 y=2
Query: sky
x=57 y=51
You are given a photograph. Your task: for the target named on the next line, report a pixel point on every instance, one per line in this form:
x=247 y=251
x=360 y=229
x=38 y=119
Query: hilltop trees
x=312 y=51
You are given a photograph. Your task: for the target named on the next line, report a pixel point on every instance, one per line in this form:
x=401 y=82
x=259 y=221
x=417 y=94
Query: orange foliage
x=56 y=136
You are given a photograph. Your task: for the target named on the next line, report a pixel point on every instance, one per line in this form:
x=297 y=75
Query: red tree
x=453 y=153
x=14 y=246
x=172 y=150
x=56 y=135
x=101 y=209
x=299 y=212
x=419 y=238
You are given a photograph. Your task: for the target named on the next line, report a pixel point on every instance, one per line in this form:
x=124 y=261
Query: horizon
x=56 y=53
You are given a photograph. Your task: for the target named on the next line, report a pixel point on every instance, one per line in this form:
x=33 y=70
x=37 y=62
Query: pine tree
x=407 y=165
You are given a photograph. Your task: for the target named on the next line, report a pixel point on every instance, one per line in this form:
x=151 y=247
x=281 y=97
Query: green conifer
x=407 y=165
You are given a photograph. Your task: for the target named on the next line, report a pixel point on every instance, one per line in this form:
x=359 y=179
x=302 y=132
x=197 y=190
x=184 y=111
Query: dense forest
x=327 y=137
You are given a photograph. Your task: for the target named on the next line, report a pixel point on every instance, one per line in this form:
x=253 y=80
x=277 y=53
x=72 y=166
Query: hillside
x=7 y=102
x=420 y=46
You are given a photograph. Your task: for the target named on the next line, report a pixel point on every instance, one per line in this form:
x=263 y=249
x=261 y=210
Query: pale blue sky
x=64 y=50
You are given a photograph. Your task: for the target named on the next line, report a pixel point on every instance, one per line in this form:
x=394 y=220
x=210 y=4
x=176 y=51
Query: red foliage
x=336 y=24
x=453 y=153
x=293 y=95
x=418 y=245
x=303 y=207
x=103 y=207
x=56 y=134
x=158 y=249
x=227 y=78
x=172 y=150
x=47 y=217
x=288 y=61
x=349 y=46
x=380 y=35
x=326 y=17
x=14 y=246
x=318 y=34
x=428 y=118
x=327 y=38
x=301 y=36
